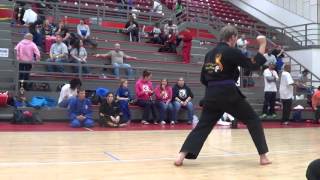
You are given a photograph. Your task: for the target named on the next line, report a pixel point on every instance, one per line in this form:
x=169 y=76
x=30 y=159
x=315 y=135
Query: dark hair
x=76 y=45
x=81 y=90
x=58 y=34
x=164 y=79
x=305 y=71
x=74 y=83
x=146 y=73
x=109 y=94
x=227 y=32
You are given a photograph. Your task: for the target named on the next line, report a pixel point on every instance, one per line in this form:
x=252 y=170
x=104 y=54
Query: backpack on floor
x=25 y=117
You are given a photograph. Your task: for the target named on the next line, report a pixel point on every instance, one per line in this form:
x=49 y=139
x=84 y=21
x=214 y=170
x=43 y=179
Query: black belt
x=223 y=82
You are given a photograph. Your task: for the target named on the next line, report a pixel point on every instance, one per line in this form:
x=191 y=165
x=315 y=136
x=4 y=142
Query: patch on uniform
x=216 y=66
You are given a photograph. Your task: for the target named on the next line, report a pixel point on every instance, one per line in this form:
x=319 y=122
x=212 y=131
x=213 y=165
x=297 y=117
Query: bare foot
x=264 y=160
x=180 y=158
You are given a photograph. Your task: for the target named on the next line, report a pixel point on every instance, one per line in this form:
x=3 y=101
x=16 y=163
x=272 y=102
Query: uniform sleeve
x=245 y=62
x=289 y=79
x=190 y=93
x=88 y=113
x=72 y=109
x=202 y=75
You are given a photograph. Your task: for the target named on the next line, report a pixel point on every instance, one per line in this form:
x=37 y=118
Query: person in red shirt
x=316 y=105
x=187 y=43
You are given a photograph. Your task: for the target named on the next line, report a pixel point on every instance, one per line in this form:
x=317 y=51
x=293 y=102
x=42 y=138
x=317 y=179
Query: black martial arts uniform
x=219 y=72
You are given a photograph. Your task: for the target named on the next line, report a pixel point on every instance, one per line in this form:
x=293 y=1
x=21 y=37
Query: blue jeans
x=75 y=69
x=88 y=123
x=117 y=67
x=55 y=68
x=178 y=106
x=164 y=110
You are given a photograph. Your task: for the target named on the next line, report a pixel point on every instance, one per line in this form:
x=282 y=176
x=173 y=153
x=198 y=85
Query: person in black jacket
x=218 y=74
x=110 y=114
x=181 y=97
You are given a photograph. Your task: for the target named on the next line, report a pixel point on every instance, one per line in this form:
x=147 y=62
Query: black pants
x=286 y=109
x=24 y=67
x=269 y=102
x=148 y=107
x=313 y=171
x=90 y=42
x=217 y=101
x=317 y=113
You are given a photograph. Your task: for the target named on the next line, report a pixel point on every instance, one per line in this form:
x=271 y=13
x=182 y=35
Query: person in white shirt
x=242 y=44
x=286 y=93
x=270 y=91
x=157 y=7
x=68 y=91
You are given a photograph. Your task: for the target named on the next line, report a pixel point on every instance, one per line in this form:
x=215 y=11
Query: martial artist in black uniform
x=219 y=72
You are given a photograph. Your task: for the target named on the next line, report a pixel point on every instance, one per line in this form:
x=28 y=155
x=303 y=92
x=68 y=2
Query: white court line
x=88 y=129
x=24 y=164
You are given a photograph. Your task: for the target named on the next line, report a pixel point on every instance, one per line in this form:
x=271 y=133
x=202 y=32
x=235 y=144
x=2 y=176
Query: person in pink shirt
x=26 y=52
x=144 y=93
x=163 y=94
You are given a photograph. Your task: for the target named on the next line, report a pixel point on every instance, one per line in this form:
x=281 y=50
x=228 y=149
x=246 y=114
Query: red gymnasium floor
x=64 y=126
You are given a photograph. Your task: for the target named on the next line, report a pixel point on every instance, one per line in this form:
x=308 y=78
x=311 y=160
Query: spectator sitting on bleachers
x=171 y=44
x=79 y=55
x=58 y=54
x=48 y=29
x=132 y=29
x=155 y=35
x=316 y=104
x=117 y=57
x=109 y=112
x=80 y=112
x=144 y=93
x=83 y=31
x=68 y=91
x=170 y=26
x=123 y=95
x=26 y=51
x=302 y=84
x=157 y=7
x=163 y=93
x=181 y=97
x=63 y=30
x=38 y=37
x=179 y=8
x=270 y=91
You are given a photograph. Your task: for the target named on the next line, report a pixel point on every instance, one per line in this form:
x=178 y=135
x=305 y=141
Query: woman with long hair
x=163 y=94
x=79 y=55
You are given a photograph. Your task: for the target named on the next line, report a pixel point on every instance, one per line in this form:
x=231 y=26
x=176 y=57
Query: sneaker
x=144 y=122
x=163 y=122
x=273 y=116
x=155 y=122
x=263 y=116
x=172 y=123
x=285 y=123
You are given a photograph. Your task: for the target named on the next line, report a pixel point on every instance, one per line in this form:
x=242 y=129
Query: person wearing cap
x=270 y=91
x=26 y=53
x=218 y=74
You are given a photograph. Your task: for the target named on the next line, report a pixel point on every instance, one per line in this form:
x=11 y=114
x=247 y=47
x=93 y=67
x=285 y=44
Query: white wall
x=305 y=8
x=308 y=58
x=266 y=8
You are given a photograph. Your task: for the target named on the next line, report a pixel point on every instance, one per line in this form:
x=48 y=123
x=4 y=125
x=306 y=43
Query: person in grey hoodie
x=83 y=31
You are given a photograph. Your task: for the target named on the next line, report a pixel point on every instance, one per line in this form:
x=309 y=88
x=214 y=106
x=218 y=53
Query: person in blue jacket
x=124 y=96
x=80 y=111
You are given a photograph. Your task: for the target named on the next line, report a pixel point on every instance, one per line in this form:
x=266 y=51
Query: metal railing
x=96 y=11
